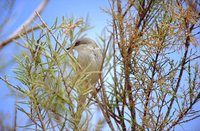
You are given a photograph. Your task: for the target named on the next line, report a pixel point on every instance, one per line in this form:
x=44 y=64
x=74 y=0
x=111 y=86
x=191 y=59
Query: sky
x=56 y=9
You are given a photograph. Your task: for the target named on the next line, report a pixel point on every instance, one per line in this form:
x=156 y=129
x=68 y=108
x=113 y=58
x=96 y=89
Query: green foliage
x=51 y=85
x=150 y=70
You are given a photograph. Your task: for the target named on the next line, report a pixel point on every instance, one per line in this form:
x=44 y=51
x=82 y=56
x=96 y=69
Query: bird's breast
x=90 y=59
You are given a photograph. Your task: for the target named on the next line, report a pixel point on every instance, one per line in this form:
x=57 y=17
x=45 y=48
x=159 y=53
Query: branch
x=16 y=34
x=183 y=63
x=184 y=113
x=128 y=8
x=149 y=91
x=197 y=57
x=7 y=41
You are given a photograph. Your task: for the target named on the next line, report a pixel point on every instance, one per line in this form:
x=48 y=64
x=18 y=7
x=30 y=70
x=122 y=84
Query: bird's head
x=83 y=43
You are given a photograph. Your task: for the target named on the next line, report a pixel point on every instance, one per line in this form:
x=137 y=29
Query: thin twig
x=15 y=115
x=54 y=37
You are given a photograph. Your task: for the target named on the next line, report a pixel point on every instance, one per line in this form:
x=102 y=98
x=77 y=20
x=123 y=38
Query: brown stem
x=148 y=92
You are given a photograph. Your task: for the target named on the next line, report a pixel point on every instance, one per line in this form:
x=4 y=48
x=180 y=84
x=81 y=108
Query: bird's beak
x=69 y=48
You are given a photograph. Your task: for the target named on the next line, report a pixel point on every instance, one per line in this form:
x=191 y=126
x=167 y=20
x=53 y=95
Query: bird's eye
x=77 y=43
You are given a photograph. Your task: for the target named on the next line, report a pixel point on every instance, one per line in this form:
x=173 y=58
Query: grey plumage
x=89 y=56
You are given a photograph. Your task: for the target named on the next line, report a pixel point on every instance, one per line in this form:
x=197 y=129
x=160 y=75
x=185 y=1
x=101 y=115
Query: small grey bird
x=89 y=56
x=90 y=59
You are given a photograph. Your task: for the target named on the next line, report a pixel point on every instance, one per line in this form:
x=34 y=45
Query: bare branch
x=16 y=34
x=14 y=37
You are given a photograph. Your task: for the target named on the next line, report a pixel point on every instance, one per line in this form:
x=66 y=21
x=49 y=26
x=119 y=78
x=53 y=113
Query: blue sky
x=55 y=9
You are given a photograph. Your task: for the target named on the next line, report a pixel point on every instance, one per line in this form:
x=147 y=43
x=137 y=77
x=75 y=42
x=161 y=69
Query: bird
x=89 y=57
